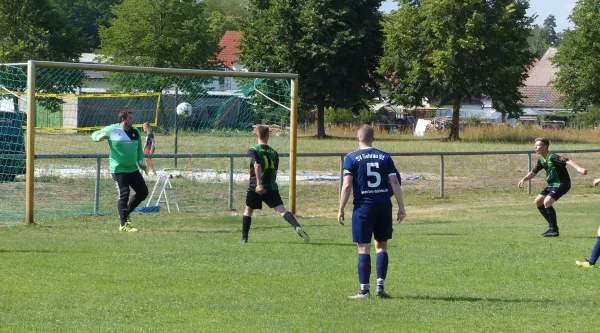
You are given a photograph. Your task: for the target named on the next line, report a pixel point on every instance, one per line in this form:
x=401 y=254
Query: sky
x=561 y=9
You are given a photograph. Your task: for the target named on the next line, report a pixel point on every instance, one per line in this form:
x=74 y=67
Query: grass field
x=462 y=264
x=472 y=261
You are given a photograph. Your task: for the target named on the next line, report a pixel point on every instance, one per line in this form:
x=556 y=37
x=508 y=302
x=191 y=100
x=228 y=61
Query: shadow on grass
x=332 y=244
x=474 y=299
x=26 y=251
x=442 y=234
x=430 y=222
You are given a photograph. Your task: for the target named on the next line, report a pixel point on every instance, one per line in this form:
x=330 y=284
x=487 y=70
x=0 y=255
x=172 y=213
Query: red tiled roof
x=229 y=48
x=543 y=71
x=538 y=90
x=541 y=97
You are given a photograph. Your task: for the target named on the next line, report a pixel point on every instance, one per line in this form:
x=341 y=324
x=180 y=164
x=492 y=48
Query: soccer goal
x=49 y=167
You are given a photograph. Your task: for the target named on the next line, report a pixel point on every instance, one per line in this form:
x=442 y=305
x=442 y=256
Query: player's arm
x=579 y=169
x=102 y=134
x=531 y=173
x=153 y=144
x=258 y=171
x=398 y=195
x=527 y=177
x=345 y=196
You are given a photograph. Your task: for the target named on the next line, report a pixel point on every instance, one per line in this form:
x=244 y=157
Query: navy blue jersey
x=371 y=169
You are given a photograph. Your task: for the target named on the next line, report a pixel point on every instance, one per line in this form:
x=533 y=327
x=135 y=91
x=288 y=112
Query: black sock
x=544 y=213
x=291 y=219
x=552 y=218
x=246 y=221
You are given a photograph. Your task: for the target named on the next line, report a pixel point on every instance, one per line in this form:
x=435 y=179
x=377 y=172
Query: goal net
x=203 y=155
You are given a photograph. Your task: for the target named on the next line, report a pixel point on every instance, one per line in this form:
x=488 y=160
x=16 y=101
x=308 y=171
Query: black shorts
x=255 y=200
x=556 y=192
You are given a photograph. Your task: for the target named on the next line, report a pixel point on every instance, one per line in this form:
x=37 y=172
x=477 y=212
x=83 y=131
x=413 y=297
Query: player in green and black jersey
x=557 y=177
x=264 y=163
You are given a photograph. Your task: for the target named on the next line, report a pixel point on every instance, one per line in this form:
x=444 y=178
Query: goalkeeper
x=126 y=155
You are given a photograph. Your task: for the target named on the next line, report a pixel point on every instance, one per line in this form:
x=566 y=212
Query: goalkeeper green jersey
x=125 y=147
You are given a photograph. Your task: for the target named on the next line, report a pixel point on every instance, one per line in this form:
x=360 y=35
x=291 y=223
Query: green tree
x=538 y=41
x=159 y=33
x=36 y=29
x=452 y=49
x=332 y=44
x=549 y=26
x=578 y=58
x=224 y=15
x=87 y=16
x=235 y=8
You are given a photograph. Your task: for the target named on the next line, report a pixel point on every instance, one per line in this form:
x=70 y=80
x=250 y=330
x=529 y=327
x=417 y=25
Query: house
x=539 y=92
x=230 y=43
x=228 y=56
x=94 y=82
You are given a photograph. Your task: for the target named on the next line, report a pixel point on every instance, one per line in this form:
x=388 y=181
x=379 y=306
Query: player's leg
x=362 y=230
x=555 y=194
x=381 y=267
x=246 y=222
x=138 y=184
x=253 y=201
x=594 y=256
x=122 y=185
x=150 y=165
x=539 y=203
x=273 y=199
x=382 y=232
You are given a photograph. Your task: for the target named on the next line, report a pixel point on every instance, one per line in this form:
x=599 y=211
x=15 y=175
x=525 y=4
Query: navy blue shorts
x=372 y=220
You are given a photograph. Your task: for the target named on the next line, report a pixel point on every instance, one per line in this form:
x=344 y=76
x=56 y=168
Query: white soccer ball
x=184 y=109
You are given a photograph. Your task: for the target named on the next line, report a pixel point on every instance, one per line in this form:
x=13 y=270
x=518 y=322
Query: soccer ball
x=184 y=109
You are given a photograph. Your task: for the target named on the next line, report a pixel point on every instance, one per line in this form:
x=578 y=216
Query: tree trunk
x=503 y=117
x=455 y=116
x=321 y=120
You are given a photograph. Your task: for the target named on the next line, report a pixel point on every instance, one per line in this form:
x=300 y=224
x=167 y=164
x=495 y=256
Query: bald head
x=365 y=134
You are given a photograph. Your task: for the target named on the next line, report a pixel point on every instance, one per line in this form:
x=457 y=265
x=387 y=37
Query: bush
x=474 y=121
x=589 y=119
x=338 y=116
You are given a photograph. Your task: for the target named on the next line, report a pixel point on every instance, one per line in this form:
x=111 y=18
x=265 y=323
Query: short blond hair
x=262 y=131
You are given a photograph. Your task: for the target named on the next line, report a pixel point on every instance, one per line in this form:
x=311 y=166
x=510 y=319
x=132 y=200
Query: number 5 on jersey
x=374 y=173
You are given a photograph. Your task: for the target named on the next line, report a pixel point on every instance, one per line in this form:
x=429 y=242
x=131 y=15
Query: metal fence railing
x=232 y=156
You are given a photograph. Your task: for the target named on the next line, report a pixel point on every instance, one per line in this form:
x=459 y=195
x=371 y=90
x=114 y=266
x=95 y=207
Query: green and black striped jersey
x=556 y=169
x=268 y=159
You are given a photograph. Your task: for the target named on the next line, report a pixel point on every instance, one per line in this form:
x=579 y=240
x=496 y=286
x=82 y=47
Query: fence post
x=97 y=189
x=441 y=175
x=529 y=168
x=230 y=183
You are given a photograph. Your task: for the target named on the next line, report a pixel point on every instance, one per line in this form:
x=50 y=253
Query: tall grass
x=489 y=134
